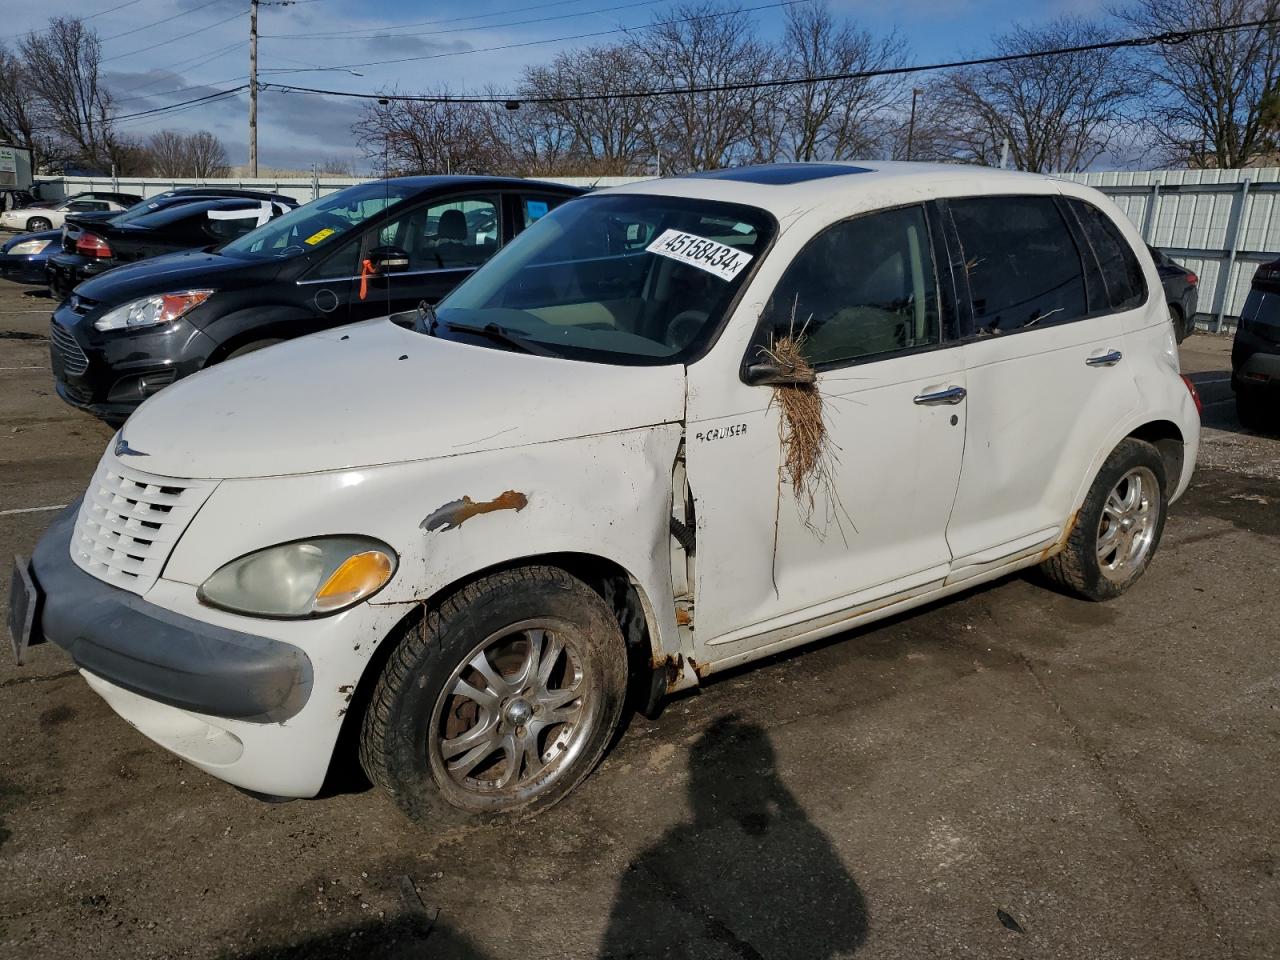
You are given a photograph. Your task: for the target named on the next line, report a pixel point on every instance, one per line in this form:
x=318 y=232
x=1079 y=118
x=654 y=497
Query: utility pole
x=911 y=127
x=253 y=88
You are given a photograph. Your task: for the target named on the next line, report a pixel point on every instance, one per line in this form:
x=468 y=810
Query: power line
x=185 y=103
x=533 y=43
x=156 y=23
x=102 y=13
x=161 y=43
x=495 y=26
x=187 y=67
x=427 y=23
x=1170 y=37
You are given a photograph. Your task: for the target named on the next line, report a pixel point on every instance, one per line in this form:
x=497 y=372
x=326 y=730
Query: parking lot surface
x=1013 y=773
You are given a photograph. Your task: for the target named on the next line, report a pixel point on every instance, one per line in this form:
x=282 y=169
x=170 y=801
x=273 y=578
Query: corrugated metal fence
x=1219 y=223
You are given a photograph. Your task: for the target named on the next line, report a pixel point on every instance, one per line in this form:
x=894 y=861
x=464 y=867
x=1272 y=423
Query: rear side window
x=1121 y=271
x=860 y=288
x=1023 y=267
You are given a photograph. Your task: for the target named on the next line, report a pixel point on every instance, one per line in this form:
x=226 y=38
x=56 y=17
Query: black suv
x=367 y=251
x=166 y=223
x=1255 y=354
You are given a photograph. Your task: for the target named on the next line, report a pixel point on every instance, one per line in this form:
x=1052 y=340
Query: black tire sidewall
x=412 y=779
x=1129 y=454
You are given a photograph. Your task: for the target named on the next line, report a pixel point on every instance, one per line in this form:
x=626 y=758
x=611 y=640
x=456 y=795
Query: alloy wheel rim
x=1127 y=527
x=513 y=715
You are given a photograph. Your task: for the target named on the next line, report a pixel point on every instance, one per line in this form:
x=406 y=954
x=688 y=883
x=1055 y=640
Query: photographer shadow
x=751 y=875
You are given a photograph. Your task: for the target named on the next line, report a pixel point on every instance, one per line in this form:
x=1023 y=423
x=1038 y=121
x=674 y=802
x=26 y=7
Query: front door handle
x=1106 y=359
x=951 y=395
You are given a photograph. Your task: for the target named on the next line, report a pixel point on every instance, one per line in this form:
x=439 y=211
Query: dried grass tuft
x=809 y=456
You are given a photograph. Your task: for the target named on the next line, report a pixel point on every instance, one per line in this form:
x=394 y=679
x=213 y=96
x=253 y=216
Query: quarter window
x=1023 y=267
x=860 y=288
x=1121 y=271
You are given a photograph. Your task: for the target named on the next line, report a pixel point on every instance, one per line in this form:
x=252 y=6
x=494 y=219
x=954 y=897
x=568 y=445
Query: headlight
x=307 y=578
x=149 y=311
x=28 y=247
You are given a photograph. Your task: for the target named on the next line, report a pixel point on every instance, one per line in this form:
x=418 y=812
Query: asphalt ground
x=1011 y=773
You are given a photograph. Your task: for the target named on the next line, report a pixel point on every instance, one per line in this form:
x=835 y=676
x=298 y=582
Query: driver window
x=458 y=233
x=341 y=265
x=860 y=288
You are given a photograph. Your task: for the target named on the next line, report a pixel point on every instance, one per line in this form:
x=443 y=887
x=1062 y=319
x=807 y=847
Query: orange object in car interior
x=366 y=271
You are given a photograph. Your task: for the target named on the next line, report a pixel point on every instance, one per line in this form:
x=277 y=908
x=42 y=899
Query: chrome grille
x=130 y=521
x=74 y=361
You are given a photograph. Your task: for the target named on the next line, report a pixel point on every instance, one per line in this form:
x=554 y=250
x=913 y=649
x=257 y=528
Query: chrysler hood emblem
x=124 y=450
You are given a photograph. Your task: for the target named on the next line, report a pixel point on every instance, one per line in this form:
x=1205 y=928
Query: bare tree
x=408 y=136
x=206 y=156
x=700 y=44
x=172 y=153
x=1210 y=98
x=62 y=72
x=836 y=119
x=529 y=139
x=21 y=119
x=609 y=136
x=1058 y=113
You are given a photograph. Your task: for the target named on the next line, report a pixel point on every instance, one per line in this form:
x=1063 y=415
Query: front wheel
x=1179 y=324
x=38 y=225
x=500 y=702
x=1118 y=528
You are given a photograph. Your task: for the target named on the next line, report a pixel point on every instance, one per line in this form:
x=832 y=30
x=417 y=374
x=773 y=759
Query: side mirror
x=388 y=260
x=769 y=372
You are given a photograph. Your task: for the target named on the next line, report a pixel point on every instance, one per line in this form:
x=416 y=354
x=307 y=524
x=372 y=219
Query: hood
x=186 y=270
x=376 y=393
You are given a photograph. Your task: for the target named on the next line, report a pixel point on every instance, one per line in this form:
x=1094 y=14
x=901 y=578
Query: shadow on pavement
x=751 y=870
x=404 y=938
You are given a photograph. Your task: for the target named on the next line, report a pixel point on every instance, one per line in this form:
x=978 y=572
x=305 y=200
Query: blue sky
x=202 y=47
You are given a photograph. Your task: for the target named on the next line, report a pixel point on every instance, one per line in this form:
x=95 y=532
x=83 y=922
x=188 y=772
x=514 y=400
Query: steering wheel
x=685 y=327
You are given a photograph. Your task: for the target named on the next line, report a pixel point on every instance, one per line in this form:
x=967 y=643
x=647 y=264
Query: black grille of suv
x=74 y=361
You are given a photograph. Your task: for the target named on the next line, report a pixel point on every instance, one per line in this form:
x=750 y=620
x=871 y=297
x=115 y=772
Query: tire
x=1086 y=566
x=252 y=347
x=449 y=757
x=1179 y=324
x=38 y=225
x=1251 y=409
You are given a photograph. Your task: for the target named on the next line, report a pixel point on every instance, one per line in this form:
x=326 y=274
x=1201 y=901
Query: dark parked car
x=179 y=220
x=1181 y=288
x=109 y=196
x=1255 y=353
x=11 y=198
x=367 y=251
x=23 y=259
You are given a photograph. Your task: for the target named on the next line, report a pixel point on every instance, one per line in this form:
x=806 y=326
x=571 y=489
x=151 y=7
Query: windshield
x=320 y=222
x=623 y=278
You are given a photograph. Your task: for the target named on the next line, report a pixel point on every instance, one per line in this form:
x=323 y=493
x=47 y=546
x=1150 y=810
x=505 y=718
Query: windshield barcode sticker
x=720 y=259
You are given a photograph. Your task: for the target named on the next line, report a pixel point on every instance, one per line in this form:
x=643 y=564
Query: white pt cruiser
x=671 y=428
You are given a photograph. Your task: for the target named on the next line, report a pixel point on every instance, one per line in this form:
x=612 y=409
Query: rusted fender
x=455 y=513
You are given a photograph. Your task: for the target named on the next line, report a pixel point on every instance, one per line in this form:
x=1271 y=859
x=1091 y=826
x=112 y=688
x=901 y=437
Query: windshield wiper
x=502 y=335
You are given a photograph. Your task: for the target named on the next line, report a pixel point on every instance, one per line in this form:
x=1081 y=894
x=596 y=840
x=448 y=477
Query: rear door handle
x=951 y=395
x=1106 y=359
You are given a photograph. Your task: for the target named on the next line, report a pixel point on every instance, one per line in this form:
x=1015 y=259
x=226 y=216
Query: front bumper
x=110 y=374
x=23 y=269
x=119 y=637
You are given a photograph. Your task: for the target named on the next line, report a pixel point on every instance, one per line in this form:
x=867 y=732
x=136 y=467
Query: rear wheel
x=501 y=702
x=1178 y=321
x=1118 y=528
x=38 y=225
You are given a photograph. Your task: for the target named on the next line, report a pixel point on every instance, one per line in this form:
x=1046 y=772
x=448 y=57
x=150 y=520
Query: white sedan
x=36 y=219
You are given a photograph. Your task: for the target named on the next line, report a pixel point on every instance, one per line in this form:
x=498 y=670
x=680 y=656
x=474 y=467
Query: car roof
x=786 y=188
x=457 y=180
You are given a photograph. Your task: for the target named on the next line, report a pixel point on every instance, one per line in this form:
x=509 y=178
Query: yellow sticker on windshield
x=319 y=235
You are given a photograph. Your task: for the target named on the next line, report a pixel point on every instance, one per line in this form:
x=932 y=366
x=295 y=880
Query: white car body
x=375 y=429
x=56 y=214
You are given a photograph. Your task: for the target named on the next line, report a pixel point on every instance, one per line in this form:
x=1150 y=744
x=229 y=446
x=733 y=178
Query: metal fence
x=1219 y=223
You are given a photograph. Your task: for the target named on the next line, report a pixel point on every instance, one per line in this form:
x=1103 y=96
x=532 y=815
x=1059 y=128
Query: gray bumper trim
x=162 y=655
